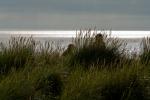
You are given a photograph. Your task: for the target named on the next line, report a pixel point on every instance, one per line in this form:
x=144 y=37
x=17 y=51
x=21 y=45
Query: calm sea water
x=65 y=37
x=133 y=44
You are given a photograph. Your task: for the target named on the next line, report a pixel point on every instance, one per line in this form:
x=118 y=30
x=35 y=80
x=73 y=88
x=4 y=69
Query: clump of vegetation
x=145 y=56
x=16 y=53
x=50 y=86
x=95 y=48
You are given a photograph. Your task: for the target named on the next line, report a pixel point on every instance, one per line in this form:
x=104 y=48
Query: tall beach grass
x=31 y=70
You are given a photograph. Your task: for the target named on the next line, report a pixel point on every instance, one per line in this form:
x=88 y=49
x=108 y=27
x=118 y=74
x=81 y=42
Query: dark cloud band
x=74 y=14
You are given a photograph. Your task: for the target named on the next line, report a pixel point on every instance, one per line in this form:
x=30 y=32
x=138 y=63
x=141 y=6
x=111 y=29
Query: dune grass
x=31 y=70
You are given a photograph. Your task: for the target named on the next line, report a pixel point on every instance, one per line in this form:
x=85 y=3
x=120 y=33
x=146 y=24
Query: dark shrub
x=91 y=55
x=90 y=50
x=50 y=86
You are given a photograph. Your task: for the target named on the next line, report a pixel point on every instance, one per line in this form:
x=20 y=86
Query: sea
x=132 y=39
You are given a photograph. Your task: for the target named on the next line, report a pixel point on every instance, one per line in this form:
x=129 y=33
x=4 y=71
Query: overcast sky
x=74 y=14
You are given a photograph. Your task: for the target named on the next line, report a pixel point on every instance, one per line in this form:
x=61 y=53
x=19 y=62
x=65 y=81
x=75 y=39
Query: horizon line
x=72 y=33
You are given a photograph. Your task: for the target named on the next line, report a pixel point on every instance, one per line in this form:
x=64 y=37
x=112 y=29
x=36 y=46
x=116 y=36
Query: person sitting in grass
x=99 y=41
x=69 y=50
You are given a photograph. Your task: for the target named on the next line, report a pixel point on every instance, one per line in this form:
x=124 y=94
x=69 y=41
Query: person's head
x=71 y=46
x=69 y=50
x=99 y=37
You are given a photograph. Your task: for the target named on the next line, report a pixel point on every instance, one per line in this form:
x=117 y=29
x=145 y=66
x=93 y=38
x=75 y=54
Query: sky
x=74 y=14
